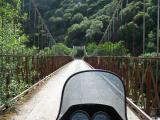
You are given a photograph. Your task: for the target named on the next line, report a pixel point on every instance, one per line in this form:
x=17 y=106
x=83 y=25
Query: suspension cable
x=42 y=20
x=144 y=25
x=158 y=34
x=111 y=21
x=108 y=32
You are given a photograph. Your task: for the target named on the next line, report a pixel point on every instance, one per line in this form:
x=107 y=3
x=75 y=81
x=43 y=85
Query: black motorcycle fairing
x=94 y=87
x=91 y=109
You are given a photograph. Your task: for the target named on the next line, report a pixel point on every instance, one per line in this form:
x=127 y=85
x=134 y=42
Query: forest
x=81 y=22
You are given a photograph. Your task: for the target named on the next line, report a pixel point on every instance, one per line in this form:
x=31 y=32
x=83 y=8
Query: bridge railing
x=19 y=72
x=141 y=77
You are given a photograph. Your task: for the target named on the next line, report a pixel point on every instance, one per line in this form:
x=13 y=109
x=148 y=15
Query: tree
x=76 y=11
x=11 y=34
x=107 y=49
x=77 y=18
x=105 y=20
x=151 y=47
x=76 y=33
x=131 y=10
x=91 y=47
x=94 y=33
x=57 y=24
x=131 y=35
x=11 y=40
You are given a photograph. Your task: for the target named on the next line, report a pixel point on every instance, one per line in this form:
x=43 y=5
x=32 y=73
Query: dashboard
x=91 y=112
x=82 y=115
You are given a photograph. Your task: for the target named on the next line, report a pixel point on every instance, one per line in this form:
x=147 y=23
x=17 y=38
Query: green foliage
x=138 y=19
x=108 y=49
x=151 y=47
x=153 y=54
x=14 y=66
x=56 y=50
x=77 y=18
x=94 y=32
x=76 y=33
x=12 y=80
x=131 y=10
x=79 y=22
x=131 y=31
x=90 y=48
x=10 y=28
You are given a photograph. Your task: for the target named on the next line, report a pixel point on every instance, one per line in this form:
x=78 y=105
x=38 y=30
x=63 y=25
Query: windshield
x=94 y=87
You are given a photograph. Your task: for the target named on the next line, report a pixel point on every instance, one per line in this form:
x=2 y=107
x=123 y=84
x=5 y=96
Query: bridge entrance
x=79 y=52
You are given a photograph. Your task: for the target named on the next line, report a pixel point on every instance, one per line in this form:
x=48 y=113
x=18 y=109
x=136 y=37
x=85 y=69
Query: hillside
x=78 y=22
x=68 y=19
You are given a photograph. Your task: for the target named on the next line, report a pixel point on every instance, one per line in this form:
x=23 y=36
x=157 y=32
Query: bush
x=107 y=49
x=56 y=50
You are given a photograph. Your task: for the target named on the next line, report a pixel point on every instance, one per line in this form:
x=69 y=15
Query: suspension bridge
x=41 y=101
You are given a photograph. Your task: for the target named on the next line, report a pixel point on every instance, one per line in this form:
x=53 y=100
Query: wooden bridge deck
x=43 y=102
